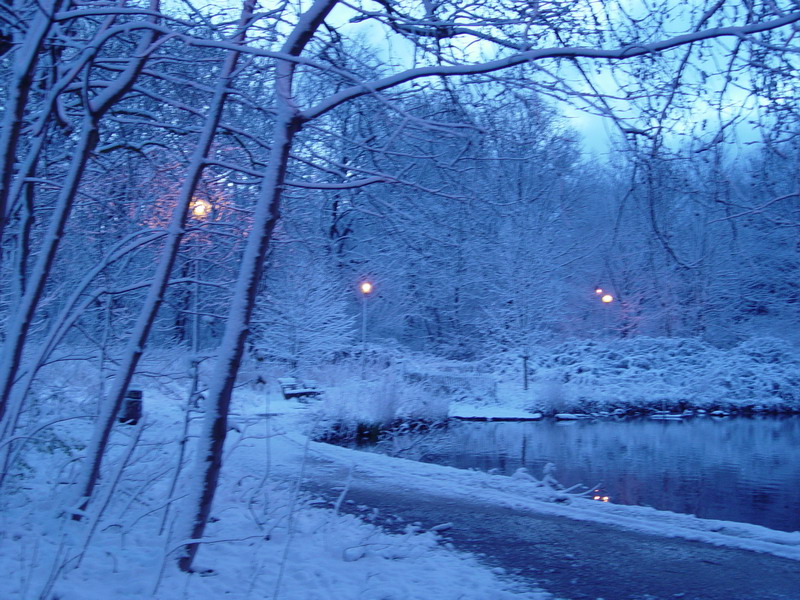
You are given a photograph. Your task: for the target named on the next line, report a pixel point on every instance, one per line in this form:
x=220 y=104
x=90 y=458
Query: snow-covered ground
x=268 y=541
x=467 y=410
x=662 y=373
x=266 y=538
x=580 y=376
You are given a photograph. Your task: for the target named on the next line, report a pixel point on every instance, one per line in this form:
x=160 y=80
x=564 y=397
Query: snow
x=264 y=540
x=496 y=413
x=268 y=539
x=525 y=491
x=658 y=373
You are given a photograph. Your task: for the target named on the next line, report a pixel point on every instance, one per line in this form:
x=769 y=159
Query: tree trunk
x=208 y=462
x=20 y=321
x=25 y=60
x=155 y=294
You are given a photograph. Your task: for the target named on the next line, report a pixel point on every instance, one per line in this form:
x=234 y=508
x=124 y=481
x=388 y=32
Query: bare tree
x=279 y=100
x=166 y=261
x=97 y=104
x=507 y=30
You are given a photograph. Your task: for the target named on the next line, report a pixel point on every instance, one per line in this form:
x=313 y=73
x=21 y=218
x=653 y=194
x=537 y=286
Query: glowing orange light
x=365 y=287
x=200 y=208
x=607 y=298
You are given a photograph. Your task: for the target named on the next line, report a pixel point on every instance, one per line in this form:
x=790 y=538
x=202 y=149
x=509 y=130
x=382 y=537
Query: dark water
x=737 y=469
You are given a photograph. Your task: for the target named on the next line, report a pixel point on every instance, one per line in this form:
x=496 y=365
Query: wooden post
x=525 y=358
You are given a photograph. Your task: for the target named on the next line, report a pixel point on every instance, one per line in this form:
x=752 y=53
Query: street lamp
x=365 y=287
x=606 y=299
x=199 y=209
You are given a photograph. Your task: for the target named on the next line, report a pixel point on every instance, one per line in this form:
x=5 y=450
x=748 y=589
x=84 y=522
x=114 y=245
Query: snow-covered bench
x=292 y=387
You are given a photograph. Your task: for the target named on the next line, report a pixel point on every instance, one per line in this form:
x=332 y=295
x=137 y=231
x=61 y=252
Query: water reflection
x=743 y=469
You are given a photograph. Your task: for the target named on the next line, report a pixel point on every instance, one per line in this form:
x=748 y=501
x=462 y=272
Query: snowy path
x=575 y=559
x=568 y=551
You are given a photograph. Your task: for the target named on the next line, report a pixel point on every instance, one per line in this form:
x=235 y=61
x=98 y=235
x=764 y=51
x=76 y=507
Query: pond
x=734 y=469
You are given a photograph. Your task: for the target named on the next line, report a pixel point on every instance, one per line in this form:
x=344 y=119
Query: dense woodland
x=216 y=181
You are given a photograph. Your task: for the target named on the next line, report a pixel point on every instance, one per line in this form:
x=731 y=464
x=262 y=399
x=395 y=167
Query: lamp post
x=365 y=287
x=606 y=299
x=200 y=209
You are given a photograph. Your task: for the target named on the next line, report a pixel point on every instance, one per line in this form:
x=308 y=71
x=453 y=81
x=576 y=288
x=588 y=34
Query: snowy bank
x=266 y=539
x=762 y=374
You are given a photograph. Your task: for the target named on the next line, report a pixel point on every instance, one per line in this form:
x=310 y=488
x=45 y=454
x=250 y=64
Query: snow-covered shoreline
x=638 y=376
x=311 y=550
x=266 y=538
x=646 y=374
x=528 y=493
